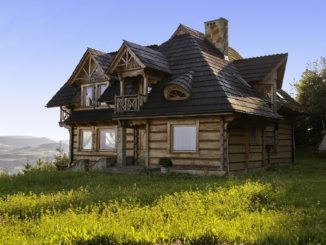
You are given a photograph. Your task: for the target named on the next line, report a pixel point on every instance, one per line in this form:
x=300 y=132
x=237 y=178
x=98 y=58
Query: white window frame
x=99 y=139
x=173 y=126
x=81 y=139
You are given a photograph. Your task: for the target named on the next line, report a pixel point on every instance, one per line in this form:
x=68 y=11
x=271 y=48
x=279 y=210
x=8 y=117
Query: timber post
x=121 y=144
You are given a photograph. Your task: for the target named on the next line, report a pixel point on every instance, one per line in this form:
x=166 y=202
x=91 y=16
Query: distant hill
x=16 y=151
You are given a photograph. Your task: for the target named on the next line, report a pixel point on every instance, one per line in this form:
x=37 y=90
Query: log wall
x=282 y=153
x=209 y=154
x=243 y=155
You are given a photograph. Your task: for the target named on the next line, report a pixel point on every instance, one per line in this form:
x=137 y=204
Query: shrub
x=61 y=161
x=165 y=162
x=40 y=166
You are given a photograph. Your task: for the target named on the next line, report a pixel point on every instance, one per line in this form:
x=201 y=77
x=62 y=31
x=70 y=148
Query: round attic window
x=174 y=92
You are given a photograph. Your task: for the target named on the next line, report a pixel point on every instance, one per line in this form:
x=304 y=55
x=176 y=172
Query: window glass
x=101 y=89
x=88 y=96
x=87 y=140
x=107 y=139
x=184 y=138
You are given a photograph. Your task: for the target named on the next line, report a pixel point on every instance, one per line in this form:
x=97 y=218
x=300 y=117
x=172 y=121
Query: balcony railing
x=128 y=103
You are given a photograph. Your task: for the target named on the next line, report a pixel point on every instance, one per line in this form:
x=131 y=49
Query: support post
x=147 y=145
x=122 y=85
x=145 y=88
x=121 y=145
x=71 y=145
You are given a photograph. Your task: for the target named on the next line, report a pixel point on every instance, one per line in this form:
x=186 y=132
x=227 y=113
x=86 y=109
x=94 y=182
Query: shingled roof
x=287 y=103
x=68 y=91
x=216 y=87
x=184 y=81
x=149 y=57
x=258 y=68
x=64 y=96
x=103 y=59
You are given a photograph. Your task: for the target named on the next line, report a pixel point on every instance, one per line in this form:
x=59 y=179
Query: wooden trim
x=147 y=130
x=124 y=48
x=172 y=116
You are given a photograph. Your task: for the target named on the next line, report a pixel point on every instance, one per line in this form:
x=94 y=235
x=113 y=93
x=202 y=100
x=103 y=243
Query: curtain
x=184 y=138
x=87 y=140
x=88 y=96
x=107 y=139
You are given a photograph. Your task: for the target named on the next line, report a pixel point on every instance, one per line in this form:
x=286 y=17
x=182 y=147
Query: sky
x=42 y=41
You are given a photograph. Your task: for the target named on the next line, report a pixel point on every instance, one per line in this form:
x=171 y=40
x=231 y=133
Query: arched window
x=175 y=92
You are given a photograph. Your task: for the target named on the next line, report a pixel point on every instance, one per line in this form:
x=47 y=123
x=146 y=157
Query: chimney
x=216 y=32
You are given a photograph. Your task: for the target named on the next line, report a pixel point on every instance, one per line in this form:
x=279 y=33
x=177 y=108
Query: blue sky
x=41 y=42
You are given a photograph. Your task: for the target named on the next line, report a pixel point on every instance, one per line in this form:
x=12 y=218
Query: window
x=184 y=137
x=88 y=96
x=91 y=93
x=100 y=90
x=107 y=139
x=86 y=139
x=175 y=92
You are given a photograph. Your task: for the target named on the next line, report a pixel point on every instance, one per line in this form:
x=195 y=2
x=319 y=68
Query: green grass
x=280 y=206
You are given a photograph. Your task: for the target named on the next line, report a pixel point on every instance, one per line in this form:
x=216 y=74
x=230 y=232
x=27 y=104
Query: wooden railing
x=128 y=103
x=64 y=114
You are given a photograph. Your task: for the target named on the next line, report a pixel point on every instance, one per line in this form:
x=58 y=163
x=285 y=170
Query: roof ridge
x=96 y=50
x=132 y=43
x=262 y=56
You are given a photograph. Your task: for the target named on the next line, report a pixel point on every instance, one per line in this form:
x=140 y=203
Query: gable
x=89 y=69
x=125 y=60
x=258 y=69
x=144 y=57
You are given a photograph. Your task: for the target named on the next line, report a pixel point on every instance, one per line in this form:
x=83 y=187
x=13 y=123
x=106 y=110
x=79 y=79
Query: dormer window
x=176 y=95
x=91 y=93
x=175 y=92
x=88 y=96
x=100 y=90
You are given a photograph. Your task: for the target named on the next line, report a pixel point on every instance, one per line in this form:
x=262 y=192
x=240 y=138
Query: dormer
x=265 y=74
x=137 y=68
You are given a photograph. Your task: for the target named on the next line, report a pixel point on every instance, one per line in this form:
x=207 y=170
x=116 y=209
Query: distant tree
x=61 y=159
x=311 y=93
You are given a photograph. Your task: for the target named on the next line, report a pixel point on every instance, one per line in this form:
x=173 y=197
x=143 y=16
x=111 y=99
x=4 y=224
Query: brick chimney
x=216 y=32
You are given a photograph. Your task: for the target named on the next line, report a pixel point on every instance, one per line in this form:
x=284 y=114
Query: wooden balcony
x=128 y=103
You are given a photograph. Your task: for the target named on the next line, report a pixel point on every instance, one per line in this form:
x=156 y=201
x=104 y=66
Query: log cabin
x=192 y=98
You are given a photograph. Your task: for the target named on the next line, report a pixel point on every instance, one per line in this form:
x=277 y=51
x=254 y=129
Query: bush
x=165 y=162
x=61 y=161
x=40 y=166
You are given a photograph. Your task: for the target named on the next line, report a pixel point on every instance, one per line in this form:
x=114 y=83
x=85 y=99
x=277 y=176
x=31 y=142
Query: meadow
x=278 y=206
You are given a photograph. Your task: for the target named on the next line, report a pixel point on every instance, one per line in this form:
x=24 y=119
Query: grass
x=280 y=206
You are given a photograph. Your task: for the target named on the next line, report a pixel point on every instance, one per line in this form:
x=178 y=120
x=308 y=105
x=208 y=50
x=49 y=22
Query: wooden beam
x=145 y=87
x=147 y=145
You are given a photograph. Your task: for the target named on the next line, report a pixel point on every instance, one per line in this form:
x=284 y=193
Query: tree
x=61 y=159
x=311 y=94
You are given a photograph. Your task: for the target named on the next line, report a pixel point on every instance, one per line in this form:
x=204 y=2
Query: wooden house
x=193 y=99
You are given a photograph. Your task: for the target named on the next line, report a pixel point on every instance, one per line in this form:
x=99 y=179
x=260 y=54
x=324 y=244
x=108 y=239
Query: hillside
x=16 y=151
